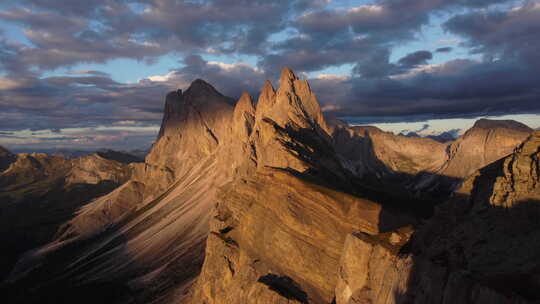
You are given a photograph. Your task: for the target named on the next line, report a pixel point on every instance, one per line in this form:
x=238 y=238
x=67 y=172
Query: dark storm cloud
x=61 y=102
x=331 y=37
x=455 y=89
x=415 y=59
x=89 y=72
x=90 y=101
x=378 y=65
x=503 y=34
x=64 y=34
x=444 y=50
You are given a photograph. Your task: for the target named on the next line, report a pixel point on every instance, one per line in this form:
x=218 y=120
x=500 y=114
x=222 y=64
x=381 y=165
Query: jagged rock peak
x=268 y=92
x=287 y=75
x=201 y=87
x=293 y=102
x=239 y=151
x=267 y=98
x=505 y=124
x=290 y=83
x=244 y=104
x=243 y=116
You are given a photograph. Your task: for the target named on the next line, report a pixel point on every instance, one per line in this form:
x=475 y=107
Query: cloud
x=63 y=34
x=67 y=102
x=499 y=34
x=89 y=72
x=444 y=50
x=415 y=59
x=378 y=65
x=458 y=88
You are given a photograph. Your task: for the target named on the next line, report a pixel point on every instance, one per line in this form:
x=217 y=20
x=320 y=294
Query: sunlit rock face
x=244 y=202
x=272 y=226
x=194 y=121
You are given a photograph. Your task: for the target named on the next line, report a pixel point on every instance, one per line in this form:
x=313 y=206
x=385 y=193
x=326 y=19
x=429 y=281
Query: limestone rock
x=193 y=123
x=285 y=118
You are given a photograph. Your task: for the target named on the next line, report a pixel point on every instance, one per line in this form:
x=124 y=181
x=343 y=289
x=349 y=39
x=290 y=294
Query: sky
x=93 y=74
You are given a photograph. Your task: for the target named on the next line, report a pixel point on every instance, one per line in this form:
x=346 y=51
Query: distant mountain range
x=272 y=202
x=74 y=153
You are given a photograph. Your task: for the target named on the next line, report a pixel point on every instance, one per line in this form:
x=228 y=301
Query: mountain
x=66 y=153
x=480 y=247
x=240 y=202
x=147 y=236
x=39 y=192
x=6 y=158
x=424 y=165
x=445 y=136
x=133 y=156
x=120 y=156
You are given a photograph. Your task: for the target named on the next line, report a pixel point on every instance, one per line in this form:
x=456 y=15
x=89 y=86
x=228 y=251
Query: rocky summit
x=268 y=201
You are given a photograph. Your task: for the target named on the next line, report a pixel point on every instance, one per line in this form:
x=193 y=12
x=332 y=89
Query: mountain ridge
x=239 y=201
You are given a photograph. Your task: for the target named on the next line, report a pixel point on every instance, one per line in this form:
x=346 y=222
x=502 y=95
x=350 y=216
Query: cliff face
x=193 y=124
x=480 y=247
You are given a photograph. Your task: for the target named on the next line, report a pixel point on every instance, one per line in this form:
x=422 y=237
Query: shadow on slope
x=476 y=252
x=106 y=267
x=30 y=216
x=285 y=286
